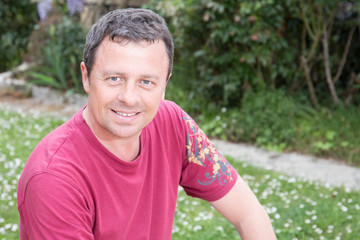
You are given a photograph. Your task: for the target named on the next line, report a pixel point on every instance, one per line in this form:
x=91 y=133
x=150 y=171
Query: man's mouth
x=125 y=114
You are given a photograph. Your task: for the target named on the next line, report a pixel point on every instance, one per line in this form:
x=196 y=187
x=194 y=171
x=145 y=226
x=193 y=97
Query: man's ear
x=168 y=78
x=167 y=81
x=85 y=77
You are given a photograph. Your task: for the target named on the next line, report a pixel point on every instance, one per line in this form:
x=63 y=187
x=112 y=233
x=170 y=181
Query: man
x=112 y=171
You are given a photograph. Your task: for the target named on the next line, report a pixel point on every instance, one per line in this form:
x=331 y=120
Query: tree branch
x=344 y=56
x=327 y=65
x=309 y=83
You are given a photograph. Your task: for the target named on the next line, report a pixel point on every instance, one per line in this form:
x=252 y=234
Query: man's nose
x=128 y=94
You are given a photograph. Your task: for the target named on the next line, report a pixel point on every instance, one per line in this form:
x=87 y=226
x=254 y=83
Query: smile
x=125 y=114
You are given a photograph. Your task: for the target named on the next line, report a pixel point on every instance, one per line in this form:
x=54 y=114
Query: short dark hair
x=132 y=25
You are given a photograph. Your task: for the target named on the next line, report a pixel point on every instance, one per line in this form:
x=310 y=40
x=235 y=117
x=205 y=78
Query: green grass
x=19 y=134
x=298 y=209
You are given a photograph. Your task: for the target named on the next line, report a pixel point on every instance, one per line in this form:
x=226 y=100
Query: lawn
x=298 y=209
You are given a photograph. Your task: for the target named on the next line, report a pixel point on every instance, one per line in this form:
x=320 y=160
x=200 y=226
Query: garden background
x=279 y=74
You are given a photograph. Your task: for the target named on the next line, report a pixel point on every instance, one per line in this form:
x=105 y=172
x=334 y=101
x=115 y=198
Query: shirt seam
x=46 y=170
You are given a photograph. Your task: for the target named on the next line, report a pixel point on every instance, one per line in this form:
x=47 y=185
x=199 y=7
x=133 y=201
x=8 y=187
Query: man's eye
x=115 y=79
x=146 y=82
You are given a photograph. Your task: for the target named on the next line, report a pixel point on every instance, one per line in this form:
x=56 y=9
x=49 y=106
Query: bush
x=57 y=46
x=266 y=118
x=230 y=47
x=17 y=21
x=333 y=134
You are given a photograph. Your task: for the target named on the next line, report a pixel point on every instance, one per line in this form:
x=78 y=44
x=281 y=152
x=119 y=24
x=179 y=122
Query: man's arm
x=241 y=207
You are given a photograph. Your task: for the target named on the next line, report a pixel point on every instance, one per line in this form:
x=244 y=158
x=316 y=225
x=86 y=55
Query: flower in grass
x=197 y=228
x=344 y=208
x=318 y=230
x=14 y=227
x=75 y=6
x=330 y=229
x=220 y=228
x=175 y=229
x=44 y=7
x=195 y=203
x=8 y=226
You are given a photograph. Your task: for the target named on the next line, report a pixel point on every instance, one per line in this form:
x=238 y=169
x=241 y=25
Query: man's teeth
x=125 y=114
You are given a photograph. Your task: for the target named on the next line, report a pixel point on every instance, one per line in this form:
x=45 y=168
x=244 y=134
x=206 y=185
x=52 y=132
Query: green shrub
x=267 y=118
x=59 y=55
x=333 y=134
x=17 y=19
x=231 y=45
x=228 y=47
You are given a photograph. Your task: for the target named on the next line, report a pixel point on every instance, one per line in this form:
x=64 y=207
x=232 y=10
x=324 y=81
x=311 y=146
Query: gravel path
x=293 y=164
x=302 y=166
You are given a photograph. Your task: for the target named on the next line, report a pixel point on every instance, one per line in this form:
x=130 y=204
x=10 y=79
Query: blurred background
x=280 y=74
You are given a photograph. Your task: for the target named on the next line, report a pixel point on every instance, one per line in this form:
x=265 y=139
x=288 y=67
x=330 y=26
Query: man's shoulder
x=52 y=155
x=56 y=142
x=170 y=108
x=57 y=137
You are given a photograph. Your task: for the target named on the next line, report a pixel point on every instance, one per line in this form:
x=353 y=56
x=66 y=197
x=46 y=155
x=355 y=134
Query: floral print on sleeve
x=202 y=152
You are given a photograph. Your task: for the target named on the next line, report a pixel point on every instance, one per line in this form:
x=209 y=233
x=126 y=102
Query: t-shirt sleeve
x=53 y=209
x=206 y=174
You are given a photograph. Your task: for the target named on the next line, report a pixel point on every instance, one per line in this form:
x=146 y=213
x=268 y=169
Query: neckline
x=103 y=153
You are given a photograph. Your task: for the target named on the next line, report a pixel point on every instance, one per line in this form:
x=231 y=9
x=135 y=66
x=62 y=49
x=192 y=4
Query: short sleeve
x=53 y=209
x=206 y=174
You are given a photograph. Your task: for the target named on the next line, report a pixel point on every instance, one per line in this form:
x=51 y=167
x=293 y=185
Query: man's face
x=126 y=85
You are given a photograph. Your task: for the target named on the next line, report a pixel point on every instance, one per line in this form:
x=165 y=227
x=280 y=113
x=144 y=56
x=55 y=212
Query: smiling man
x=113 y=170
x=125 y=87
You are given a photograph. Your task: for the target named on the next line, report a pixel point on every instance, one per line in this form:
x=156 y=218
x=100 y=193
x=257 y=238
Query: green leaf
x=43 y=79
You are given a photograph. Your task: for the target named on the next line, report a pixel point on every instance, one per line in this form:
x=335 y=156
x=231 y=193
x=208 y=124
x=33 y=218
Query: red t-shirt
x=72 y=187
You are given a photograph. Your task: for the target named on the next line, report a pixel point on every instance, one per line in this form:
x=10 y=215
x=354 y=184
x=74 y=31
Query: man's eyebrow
x=112 y=73
x=107 y=73
x=149 y=76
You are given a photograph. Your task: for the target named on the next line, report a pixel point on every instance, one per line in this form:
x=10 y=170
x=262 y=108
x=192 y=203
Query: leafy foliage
x=276 y=121
x=59 y=54
x=252 y=70
x=230 y=47
x=17 y=18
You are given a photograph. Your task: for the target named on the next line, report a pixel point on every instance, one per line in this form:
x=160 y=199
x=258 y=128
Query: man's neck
x=125 y=149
